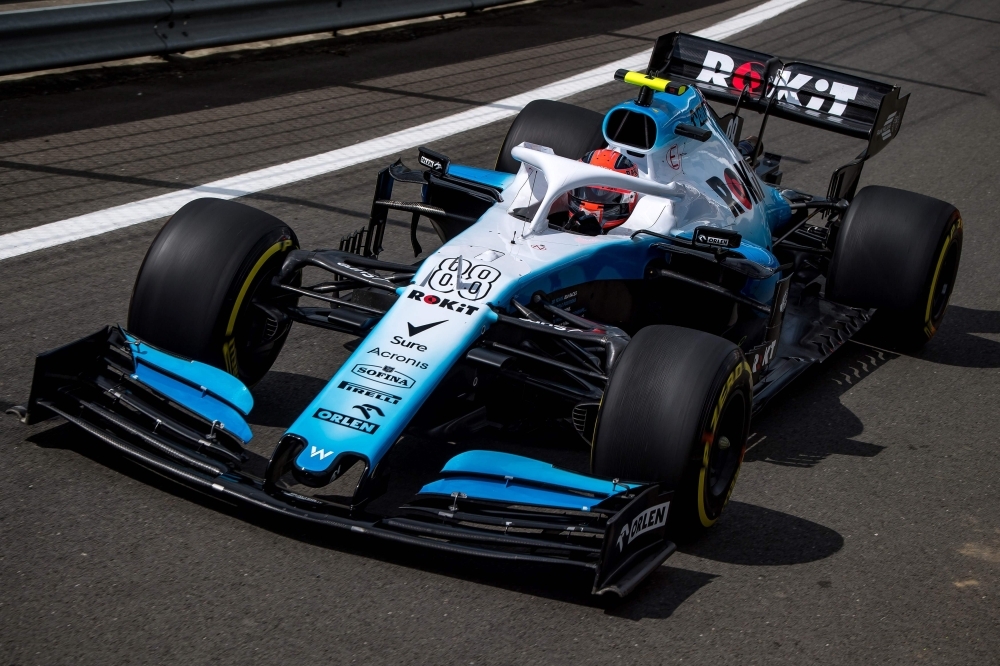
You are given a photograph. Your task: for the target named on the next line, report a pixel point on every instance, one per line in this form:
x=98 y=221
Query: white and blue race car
x=656 y=339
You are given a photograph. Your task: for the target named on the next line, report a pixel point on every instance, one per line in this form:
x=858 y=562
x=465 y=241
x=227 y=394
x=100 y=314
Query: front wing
x=164 y=413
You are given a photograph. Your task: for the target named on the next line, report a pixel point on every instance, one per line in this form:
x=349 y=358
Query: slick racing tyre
x=570 y=131
x=677 y=411
x=196 y=289
x=898 y=252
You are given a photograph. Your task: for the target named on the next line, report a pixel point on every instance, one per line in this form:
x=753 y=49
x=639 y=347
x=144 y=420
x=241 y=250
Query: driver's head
x=610 y=206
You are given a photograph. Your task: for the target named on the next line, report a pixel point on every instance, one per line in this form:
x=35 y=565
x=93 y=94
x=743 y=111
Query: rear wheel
x=570 y=131
x=677 y=411
x=899 y=252
x=198 y=291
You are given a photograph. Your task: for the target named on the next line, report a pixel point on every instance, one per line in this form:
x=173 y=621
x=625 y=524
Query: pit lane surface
x=864 y=526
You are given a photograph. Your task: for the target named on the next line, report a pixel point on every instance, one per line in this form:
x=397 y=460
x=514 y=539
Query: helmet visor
x=601 y=195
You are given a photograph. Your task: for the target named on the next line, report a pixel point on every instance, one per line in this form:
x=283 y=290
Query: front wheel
x=677 y=411
x=199 y=290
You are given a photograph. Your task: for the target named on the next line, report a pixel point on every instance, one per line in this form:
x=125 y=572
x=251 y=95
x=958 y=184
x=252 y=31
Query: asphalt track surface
x=864 y=527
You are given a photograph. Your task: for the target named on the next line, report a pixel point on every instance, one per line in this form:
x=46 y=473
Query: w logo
x=322 y=453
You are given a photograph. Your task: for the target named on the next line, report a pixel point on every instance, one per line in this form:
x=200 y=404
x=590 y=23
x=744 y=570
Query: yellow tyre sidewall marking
x=709 y=437
x=229 y=346
x=929 y=328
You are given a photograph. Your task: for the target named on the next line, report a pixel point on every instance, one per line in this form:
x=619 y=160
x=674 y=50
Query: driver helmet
x=609 y=205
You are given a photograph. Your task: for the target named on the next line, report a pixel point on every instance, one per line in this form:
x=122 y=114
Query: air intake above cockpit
x=631 y=129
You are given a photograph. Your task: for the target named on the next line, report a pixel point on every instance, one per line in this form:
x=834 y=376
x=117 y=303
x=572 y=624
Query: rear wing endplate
x=800 y=92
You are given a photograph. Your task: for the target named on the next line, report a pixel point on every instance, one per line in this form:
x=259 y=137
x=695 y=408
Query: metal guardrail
x=51 y=37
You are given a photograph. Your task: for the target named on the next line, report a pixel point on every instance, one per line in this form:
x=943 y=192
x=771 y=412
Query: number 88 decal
x=480 y=280
x=472 y=283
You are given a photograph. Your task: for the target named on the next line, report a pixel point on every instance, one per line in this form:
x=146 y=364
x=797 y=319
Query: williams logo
x=385 y=374
x=649 y=519
x=370 y=392
x=317 y=452
x=343 y=420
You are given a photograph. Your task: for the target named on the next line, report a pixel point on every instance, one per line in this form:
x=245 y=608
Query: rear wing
x=803 y=93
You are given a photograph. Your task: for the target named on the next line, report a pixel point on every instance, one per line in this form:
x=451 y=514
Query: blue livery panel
x=205 y=390
x=505 y=477
x=683 y=183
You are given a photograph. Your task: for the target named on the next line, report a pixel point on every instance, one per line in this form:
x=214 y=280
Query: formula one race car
x=639 y=277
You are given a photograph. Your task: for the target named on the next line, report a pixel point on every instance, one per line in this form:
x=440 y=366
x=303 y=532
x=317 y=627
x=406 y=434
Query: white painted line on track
x=126 y=215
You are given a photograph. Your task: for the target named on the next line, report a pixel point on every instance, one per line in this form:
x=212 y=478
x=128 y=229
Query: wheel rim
x=726 y=451
x=255 y=333
x=254 y=338
x=942 y=286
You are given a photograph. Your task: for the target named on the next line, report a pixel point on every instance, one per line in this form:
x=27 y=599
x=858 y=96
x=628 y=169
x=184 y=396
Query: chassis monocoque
x=656 y=340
